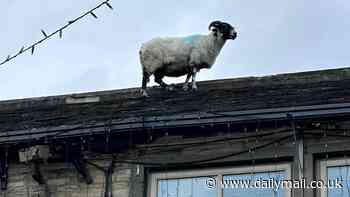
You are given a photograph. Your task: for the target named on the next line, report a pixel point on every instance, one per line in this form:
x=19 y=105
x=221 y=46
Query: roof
x=225 y=99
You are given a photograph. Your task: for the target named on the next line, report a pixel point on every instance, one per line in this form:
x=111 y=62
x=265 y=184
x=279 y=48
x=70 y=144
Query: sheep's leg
x=194 y=85
x=185 y=86
x=158 y=78
x=163 y=84
x=145 y=79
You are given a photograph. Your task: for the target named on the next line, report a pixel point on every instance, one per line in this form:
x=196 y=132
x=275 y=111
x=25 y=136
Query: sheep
x=178 y=56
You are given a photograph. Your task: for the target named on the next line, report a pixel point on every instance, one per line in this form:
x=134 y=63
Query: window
x=332 y=170
x=194 y=183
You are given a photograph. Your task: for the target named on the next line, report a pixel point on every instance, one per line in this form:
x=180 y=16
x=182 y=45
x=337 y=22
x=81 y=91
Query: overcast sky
x=275 y=36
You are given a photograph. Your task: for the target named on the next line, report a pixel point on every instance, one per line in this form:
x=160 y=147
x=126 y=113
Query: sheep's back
x=160 y=52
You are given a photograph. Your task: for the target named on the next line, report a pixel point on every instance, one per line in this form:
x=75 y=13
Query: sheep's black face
x=226 y=30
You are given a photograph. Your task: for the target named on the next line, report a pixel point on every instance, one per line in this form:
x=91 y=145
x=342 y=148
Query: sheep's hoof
x=185 y=87
x=194 y=87
x=144 y=93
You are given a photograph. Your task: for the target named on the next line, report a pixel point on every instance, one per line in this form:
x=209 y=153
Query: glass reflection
x=342 y=174
x=244 y=190
x=185 y=187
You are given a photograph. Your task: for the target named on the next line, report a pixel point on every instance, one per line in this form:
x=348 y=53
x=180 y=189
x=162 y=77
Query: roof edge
x=324 y=74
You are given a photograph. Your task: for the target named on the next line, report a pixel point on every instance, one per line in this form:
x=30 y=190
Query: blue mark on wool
x=191 y=39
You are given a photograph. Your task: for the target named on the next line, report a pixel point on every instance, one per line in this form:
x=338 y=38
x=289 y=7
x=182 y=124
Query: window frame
x=324 y=164
x=153 y=178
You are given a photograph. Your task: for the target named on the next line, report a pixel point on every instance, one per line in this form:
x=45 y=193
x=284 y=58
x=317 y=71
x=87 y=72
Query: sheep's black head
x=225 y=29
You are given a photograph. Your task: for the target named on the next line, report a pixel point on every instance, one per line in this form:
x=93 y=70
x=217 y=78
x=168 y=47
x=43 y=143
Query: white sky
x=274 y=37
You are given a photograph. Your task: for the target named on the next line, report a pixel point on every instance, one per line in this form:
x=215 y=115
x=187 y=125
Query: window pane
x=341 y=173
x=186 y=187
x=242 y=190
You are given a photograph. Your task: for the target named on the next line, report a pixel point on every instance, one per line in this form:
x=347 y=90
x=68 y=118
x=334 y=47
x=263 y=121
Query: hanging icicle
x=326 y=143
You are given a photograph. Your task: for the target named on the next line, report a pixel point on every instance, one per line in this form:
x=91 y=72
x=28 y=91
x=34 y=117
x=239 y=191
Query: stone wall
x=64 y=181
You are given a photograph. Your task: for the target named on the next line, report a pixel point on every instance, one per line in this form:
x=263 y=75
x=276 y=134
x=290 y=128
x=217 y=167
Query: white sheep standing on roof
x=178 y=56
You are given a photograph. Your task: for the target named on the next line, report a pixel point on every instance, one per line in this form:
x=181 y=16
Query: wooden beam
x=4 y=167
x=36 y=172
x=80 y=166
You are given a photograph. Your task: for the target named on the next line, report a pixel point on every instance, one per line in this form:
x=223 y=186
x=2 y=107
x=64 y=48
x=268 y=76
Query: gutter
x=178 y=121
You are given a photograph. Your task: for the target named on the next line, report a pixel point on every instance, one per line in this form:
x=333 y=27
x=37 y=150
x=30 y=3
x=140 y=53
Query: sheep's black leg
x=194 y=85
x=160 y=82
x=145 y=79
x=185 y=86
x=158 y=78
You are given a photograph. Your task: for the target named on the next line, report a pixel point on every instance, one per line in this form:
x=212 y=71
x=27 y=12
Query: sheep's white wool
x=176 y=55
